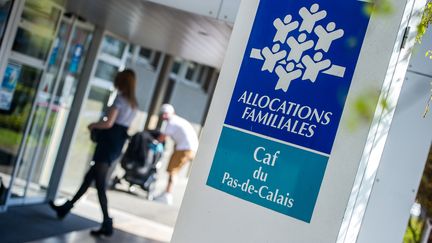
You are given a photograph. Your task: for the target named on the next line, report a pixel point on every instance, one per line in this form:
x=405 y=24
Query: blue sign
x=76 y=58
x=8 y=86
x=292 y=85
x=54 y=52
x=279 y=177
x=297 y=70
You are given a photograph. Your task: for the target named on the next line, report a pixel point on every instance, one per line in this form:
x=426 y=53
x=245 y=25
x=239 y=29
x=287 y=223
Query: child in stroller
x=141 y=161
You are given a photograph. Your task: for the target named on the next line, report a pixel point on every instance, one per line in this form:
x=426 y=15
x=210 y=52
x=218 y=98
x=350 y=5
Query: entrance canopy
x=195 y=37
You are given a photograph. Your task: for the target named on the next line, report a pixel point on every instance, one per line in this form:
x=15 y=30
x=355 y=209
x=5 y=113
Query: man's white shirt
x=182 y=132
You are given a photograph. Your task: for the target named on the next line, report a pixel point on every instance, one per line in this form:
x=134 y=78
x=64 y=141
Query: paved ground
x=38 y=223
x=134 y=214
x=29 y=223
x=84 y=237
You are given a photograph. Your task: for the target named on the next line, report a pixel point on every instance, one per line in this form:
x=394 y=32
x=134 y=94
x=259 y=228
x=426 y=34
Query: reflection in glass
x=42 y=14
x=60 y=2
x=113 y=47
x=192 y=68
x=176 y=67
x=5 y=8
x=35 y=35
x=13 y=121
x=145 y=53
x=37 y=29
x=53 y=104
x=82 y=148
x=106 y=71
x=31 y=44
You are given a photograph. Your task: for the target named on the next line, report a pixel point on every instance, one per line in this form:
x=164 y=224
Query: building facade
x=58 y=62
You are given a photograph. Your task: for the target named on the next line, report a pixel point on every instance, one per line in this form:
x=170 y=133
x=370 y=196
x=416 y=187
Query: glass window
x=113 y=47
x=5 y=8
x=31 y=44
x=145 y=53
x=176 y=67
x=202 y=74
x=192 y=68
x=42 y=14
x=37 y=29
x=156 y=59
x=59 y=47
x=59 y=2
x=106 y=71
x=131 y=49
x=100 y=96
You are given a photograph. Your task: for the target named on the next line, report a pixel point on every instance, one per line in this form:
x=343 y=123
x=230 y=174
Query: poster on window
x=8 y=85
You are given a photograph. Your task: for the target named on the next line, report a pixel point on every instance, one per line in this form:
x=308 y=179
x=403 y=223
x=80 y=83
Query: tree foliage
x=424 y=195
x=380 y=7
x=425 y=22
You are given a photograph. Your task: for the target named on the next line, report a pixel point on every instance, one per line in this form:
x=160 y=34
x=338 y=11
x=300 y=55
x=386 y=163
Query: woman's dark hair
x=125 y=82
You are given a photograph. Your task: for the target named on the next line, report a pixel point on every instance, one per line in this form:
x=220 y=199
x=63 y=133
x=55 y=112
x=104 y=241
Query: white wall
x=146 y=83
x=189 y=101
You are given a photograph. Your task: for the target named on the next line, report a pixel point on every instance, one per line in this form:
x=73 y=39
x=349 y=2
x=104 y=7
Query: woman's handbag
x=95 y=134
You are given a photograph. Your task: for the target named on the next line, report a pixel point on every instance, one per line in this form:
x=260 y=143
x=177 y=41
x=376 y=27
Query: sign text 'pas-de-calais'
x=287 y=103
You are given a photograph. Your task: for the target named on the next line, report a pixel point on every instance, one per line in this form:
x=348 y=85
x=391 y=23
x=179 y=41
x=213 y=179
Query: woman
x=110 y=140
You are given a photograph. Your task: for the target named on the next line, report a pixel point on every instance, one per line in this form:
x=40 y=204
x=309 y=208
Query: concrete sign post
x=287 y=104
x=277 y=160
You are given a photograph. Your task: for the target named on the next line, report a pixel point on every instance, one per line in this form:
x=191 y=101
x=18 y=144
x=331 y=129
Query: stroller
x=141 y=162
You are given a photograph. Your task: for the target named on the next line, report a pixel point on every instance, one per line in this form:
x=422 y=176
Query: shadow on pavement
x=29 y=223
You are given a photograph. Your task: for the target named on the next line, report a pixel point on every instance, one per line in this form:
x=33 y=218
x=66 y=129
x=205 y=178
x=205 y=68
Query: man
x=186 y=145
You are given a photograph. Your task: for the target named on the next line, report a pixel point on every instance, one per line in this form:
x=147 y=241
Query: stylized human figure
x=310 y=17
x=327 y=36
x=315 y=66
x=284 y=28
x=298 y=47
x=286 y=75
x=271 y=57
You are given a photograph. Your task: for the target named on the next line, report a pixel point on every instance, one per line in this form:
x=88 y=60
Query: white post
x=384 y=174
x=426 y=231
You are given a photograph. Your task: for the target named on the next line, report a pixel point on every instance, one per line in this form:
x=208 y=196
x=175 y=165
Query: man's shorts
x=179 y=159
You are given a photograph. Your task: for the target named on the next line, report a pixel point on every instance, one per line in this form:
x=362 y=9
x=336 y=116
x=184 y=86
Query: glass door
x=52 y=107
x=5 y=10
x=5 y=88
x=110 y=60
x=36 y=31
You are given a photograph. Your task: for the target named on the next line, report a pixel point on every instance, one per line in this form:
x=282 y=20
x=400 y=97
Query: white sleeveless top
x=125 y=111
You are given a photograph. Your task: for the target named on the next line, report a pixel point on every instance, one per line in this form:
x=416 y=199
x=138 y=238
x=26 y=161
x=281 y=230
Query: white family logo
x=293 y=64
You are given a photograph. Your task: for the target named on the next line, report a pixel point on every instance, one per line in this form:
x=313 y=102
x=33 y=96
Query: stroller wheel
x=114 y=182
x=151 y=192
x=132 y=189
x=150 y=196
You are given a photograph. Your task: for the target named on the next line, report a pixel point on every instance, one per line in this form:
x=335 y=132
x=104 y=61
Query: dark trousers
x=97 y=173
